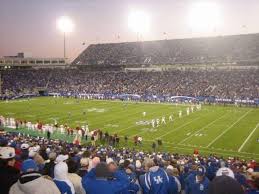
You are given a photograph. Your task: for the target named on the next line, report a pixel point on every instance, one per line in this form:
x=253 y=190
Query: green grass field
x=225 y=131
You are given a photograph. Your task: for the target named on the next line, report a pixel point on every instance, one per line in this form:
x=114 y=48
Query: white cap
x=84 y=161
x=7 y=152
x=32 y=153
x=109 y=160
x=121 y=161
x=61 y=158
x=170 y=167
x=138 y=164
x=25 y=146
x=225 y=171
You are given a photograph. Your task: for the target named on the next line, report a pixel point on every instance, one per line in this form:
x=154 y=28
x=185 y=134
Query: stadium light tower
x=139 y=22
x=65 y=25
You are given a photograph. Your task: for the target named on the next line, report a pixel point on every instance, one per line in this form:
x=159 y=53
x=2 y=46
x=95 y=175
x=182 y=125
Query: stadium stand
x=220 y=49
x=230 y=84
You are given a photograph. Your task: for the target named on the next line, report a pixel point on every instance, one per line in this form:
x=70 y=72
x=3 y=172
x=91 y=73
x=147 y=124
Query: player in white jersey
x=86 y=129
x=144 y=114
x=171 y=118
x=188 y=111
x=62 y=129
x=157 y=122
x=153 y=123
x=180 y=114
x=192 y=108
x=163 y=120
x=29 y=125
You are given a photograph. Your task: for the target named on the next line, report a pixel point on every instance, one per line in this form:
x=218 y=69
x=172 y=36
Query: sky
x=31 y=25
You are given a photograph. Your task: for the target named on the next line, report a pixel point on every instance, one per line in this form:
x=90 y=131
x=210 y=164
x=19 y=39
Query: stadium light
x=139 y=22
x=204 y=17
x=65 y=25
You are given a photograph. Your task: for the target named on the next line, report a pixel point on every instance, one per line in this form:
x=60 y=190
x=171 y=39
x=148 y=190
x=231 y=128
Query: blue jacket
x=133 y=187
x=194 y=187
x=174 y=185
x=63 y=187
x=156 y=181
x=92 y=185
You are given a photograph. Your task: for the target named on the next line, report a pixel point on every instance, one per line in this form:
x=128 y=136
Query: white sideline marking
x=201 y=129
x=178 y=128
x=241 y=147
x=226 y=130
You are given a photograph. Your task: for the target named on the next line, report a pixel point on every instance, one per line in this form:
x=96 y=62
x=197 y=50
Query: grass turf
x=226 y=131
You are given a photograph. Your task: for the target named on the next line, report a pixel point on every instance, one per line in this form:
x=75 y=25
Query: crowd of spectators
x=195 y=50
x=30 y=165
x=238 y=84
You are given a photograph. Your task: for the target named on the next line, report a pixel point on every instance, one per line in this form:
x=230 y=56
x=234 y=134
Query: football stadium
x=111 y=99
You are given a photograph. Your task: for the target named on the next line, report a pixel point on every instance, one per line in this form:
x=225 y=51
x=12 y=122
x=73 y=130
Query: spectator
x=75 y=178
x=225 y=185
x=155 y=180
x=61 y=179
x=8 y=174
x=32 y=182
x=98 y=181
x=84 y=163
x=197 y=183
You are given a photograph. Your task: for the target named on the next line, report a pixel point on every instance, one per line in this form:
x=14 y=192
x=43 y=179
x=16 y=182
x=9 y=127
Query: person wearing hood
x=155 y=180
x=100 y=180
x=8 y=173
x=32 y=182
x=64 y=185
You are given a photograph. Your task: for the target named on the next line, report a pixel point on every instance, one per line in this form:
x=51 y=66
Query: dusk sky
x=30 y=25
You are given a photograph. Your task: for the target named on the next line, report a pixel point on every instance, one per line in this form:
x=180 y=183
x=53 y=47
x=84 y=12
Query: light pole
x=65 y=25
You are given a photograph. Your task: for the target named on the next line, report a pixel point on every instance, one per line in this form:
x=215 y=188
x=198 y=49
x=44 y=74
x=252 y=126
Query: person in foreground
x=32 y=182
x=100 y=180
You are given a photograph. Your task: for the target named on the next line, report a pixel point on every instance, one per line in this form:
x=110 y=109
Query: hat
x=170 y=167
x=7 y=152
x=52 y=155
x=109 y=160
x=32 y=153
x=84 y=161
x=138 y=164
x=225 y=185
x=225 y=171
x=201 y=170
x=61 y=158
x=25 y=146
x=29 y=165
x=121 y=161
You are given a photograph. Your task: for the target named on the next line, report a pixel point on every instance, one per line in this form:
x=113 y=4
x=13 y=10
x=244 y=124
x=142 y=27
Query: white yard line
x=201 y=129
x=226 y=130
x=177 y=128
x=244 y=143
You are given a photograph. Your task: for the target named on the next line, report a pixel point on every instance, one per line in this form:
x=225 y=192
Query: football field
x=225 y=131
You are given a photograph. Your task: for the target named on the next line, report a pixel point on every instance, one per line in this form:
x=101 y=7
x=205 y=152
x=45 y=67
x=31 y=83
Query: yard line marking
x=201 y=129
x=244 y=143
x=226 y=130
x=178 y=128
